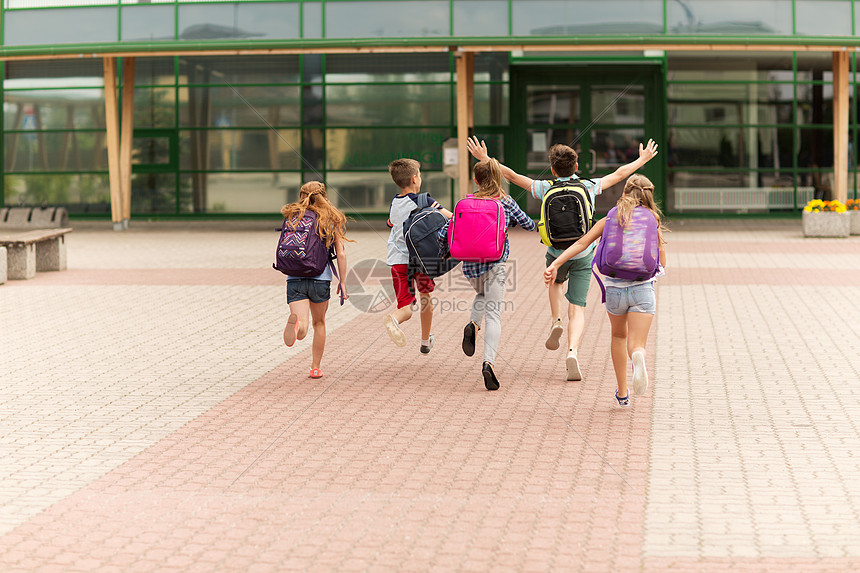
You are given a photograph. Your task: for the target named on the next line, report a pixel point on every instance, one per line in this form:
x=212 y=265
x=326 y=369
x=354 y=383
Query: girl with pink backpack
x=476 y=234
x=630 y=257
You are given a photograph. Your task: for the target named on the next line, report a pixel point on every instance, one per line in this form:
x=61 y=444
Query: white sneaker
x=397 y=335
x=640 y=375
x=555 y=332
x=426 y=348
x=573 y=371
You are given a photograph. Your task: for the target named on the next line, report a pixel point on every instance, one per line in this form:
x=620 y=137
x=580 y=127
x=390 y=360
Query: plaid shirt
x=513 y=214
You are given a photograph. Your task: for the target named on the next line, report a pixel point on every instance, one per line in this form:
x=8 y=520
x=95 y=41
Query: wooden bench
x=32 y=250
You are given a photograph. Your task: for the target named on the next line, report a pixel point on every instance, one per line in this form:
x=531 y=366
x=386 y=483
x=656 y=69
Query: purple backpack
x=631 y=252
x=301 y=251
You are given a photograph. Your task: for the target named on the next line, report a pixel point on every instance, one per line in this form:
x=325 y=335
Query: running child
x=564 y=163
x=488 y=279
x=311 y=295
x=406 y=174
x=631 y=304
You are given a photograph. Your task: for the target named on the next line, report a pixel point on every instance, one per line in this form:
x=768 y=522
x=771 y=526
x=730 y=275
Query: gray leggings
x=488 y=303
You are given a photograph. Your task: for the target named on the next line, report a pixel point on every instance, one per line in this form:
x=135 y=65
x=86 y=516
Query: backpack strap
x=332 y=257
x=599 y=282
x=423 y=200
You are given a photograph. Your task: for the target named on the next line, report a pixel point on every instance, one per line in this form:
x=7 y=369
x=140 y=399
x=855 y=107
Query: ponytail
x=331 y=223
x=488 y=176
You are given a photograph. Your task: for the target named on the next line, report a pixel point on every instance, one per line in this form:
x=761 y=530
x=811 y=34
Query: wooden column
x=465 y=117
x=840 y=125
x=112 y=132
x=126 y=136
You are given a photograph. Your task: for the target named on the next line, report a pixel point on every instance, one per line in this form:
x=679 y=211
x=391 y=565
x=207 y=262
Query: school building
x=174 y=108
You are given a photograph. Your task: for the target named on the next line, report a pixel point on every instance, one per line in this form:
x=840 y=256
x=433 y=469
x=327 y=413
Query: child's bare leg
x=556 y=299
x=318 y=310
x=639 y=323
x=300 y=309
x=618 y=350
x=402 y=314
x=575 y=325
x=426 y=310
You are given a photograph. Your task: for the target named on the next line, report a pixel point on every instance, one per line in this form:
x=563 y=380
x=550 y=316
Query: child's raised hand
x=478 y=150
x=549 y=275
x=649 y=151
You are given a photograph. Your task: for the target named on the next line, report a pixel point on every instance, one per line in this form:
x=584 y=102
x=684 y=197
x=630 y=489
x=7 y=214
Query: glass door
x=602 y=112
x=154 y=163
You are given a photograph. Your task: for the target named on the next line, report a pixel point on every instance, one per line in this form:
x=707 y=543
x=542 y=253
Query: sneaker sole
x=290 y=331
x=640 y=374
x=469 y=340
x=552 y=343
x=574 y=374
x=394 y=331
x=489 y=382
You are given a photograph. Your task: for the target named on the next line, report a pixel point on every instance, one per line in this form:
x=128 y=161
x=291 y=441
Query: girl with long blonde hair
x=310 y=296
x=630 y=304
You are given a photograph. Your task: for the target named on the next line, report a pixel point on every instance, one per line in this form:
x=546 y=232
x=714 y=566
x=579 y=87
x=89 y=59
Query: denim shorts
x=637 y=298
x=308 y=289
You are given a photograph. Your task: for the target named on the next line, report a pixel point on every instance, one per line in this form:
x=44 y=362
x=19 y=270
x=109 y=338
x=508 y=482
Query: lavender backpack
x=631 y=252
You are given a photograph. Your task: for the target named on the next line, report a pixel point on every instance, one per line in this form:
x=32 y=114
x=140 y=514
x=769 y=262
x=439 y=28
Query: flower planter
x=855 y=222
x=826 y=224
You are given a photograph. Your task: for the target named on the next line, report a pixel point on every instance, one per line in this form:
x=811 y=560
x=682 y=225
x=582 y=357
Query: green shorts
x=577 y=273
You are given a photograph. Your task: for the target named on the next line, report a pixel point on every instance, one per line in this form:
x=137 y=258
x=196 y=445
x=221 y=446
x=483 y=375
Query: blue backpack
x=301 y=251
x=421 y=232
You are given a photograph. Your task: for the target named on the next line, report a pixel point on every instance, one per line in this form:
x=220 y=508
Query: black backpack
x=566 y=213
x=421 y=232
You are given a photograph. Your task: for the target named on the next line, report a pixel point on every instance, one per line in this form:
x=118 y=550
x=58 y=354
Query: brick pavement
x=152 y=419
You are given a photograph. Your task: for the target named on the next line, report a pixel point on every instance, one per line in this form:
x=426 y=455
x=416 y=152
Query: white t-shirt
x=401 y=207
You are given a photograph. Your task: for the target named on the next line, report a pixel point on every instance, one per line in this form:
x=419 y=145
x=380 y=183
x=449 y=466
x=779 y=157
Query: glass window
x=618 y=104
x=153 y=193
x=729 y=17
x=400 y=104
x=239 y=106
x=60 y=26
x=370 y=192
x=492 y=67
x=823 y=17
x=153 y=71
x=713 y=104
x=386 y=19
x=241 y=192
x=480 y=18
x=148 y=23
x=54 y=109
x=151 y=150
x=376 y=148
x=366 y=68
x=552 y=104
x=154 y=107
x=227 y=149
x=572 y=18
x=239 y=21
x=86 y=193
x=233 y=70
x=538 y=142
x=613 y=148
x=491 y=104
x=733 y=147
x=62 y=73
x=312 y=20
x=56 y=151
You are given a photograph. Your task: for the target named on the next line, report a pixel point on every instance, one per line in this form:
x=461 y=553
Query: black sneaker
x=469 y=339
x=490 y=380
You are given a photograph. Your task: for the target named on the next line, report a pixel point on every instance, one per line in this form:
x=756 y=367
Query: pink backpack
x=477 y=230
